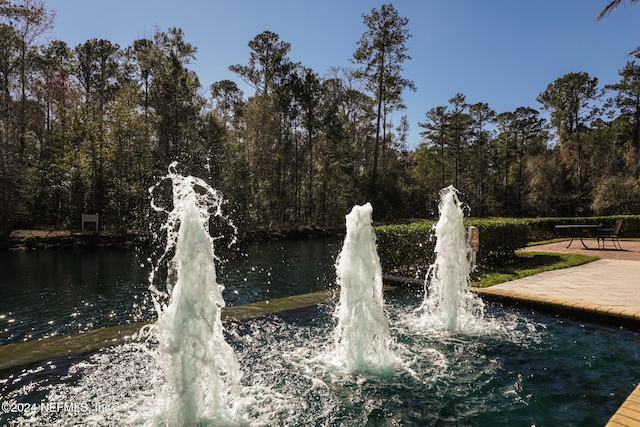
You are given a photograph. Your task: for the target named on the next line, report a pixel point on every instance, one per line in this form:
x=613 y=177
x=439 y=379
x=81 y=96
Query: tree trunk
x=376 y=148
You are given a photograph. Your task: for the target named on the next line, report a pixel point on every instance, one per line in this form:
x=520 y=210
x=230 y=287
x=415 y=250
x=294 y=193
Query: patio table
x=578 y=229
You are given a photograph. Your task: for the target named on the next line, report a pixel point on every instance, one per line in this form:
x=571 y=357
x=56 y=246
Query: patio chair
x=610 y=233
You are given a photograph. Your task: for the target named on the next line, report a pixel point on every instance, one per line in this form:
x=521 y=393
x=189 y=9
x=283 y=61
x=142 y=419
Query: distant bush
x=405 y=249
x=500 y=237
x=409 y=249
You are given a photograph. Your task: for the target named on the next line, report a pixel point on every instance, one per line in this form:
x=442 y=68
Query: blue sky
x=503 y=52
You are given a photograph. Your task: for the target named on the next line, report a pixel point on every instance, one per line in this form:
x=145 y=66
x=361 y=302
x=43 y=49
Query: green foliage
x=569 y=99
x=382 y=51
x=407 y=249
x=500 y=237
x=90 y=128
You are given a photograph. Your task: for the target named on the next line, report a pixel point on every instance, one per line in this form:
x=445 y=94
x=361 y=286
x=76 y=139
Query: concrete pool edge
x=596 y=313
x=628 y=415
x=28 y=352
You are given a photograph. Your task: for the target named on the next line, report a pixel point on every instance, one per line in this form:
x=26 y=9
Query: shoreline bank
x=45 y=239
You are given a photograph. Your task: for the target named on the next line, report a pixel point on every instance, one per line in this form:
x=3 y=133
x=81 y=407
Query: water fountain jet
x=448 y=304
x=201 y=369
x=362 y=334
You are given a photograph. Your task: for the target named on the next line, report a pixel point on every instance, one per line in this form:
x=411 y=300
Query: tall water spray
x=201 y=369
x=448 y=304
x=362 y=333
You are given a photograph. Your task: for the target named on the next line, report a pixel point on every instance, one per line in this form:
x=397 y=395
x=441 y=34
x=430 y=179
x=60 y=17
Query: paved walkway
x=608 y=288
x=630 y=250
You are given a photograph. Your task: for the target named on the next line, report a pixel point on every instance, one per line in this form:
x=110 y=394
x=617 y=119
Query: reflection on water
x=57 y=292
x=279 y=269
x=64 y=291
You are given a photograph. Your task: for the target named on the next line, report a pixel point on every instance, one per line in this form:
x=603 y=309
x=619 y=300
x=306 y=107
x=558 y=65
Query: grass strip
x=527 y=264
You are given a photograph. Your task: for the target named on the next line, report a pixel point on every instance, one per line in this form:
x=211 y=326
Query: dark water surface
x=64 y=291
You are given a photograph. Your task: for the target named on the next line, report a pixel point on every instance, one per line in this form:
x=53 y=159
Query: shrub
x=403 y=249
x=409 y=249
x=500 y=238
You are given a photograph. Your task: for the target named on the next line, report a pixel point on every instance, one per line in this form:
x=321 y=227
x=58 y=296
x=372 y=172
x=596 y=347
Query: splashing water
x=448 y=304
x=201 y=369
x=362 y=334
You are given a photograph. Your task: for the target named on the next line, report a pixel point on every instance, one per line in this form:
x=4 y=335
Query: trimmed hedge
x=409 y=249
x=403 y=249
x=500 y=237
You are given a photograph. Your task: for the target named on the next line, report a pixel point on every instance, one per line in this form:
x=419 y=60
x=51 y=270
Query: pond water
x=64 y=291
x=531 y=369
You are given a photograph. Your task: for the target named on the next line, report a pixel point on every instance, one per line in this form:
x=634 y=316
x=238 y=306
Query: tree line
x=90 y=128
